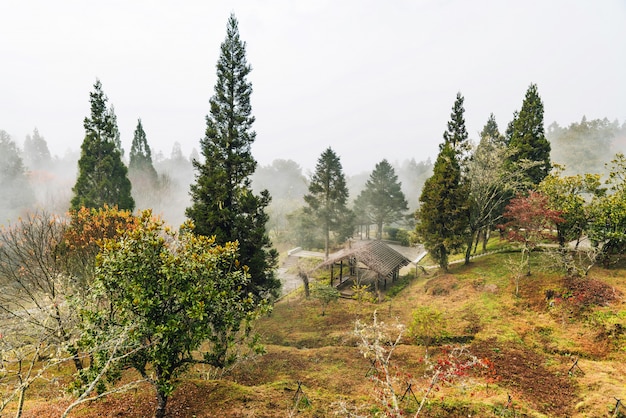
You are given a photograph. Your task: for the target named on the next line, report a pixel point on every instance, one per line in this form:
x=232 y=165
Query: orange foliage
x=90 y=227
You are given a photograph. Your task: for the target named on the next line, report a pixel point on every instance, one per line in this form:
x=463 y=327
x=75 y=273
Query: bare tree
x=39 y=325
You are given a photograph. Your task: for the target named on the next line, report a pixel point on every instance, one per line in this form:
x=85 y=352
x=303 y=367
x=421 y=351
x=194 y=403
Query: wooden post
x=340 y=271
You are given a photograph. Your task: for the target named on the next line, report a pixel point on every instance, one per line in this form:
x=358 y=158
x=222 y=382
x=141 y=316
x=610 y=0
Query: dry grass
x=531 y=343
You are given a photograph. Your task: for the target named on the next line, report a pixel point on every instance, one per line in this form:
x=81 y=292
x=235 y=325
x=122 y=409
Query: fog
x=583 y=146
x=371 y=79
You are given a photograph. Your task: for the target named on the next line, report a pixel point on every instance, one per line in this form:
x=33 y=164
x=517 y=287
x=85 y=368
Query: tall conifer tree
x=443 y=216
x=527 y=138
x=141 y=156
x=102 y=176
x=382 y=197
x=456 y=134
x=327 y=197
x=223 y=203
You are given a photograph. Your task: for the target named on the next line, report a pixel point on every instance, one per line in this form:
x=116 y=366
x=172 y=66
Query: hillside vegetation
x=558 y=349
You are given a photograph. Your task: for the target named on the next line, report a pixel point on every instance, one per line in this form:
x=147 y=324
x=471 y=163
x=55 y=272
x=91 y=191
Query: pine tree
x=223 y=203
x=327 y=197
x=102 y=176
x=383 y=198
x=528 y=140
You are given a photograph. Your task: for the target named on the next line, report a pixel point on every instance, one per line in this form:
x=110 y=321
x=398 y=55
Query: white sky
x=372 y=79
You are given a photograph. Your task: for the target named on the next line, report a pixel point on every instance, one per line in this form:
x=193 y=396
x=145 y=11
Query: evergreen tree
x=327 y=197
x=141 y=156
x=36 y=152
x=147 y=190
x=223 y=203
x=510 y=128
x=528 y=141
x=491 y=134
x=15 y=190
x=102 y=176
x=443 y=216
x=456 y=134
x=383 y=198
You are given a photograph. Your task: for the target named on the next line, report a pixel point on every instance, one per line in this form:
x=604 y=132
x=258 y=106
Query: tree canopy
x=443 y=215
x=327 y=196
x=442 y=218
x=382 y=199
x=527 y=138
x=178 y=299
x=102 y=176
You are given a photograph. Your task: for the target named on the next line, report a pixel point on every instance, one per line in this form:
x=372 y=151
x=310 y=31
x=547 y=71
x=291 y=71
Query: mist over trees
x=36 y=153
x=286 y=184
x=155 y=283
x=15 y=189
x=586 y=146
x=382 y=200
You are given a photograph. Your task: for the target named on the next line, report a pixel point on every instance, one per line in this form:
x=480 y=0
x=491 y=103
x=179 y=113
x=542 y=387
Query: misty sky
x=372 y=79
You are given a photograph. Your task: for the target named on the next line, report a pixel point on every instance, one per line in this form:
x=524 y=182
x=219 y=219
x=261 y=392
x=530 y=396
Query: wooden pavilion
x=375 y=256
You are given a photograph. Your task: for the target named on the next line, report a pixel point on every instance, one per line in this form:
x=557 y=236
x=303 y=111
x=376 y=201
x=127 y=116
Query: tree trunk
x=379 y=230
x=486 y=236
x=468 y=250
x=326 y=242
x=161 y=403
x=470 y=245
x=305 y=280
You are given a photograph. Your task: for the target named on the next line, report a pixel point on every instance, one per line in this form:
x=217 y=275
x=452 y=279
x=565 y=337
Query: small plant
x=325 y=294
x=428 y=326
x=361 y=294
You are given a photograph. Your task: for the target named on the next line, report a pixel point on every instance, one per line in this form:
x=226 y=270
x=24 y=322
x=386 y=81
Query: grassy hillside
x=531 y=342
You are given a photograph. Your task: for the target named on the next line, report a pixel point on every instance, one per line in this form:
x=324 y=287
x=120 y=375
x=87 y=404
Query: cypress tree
x=528 y=141
x=102 y=176
x=223 y=204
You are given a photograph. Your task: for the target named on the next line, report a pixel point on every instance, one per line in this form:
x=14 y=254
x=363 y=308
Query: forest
x=126 y=269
